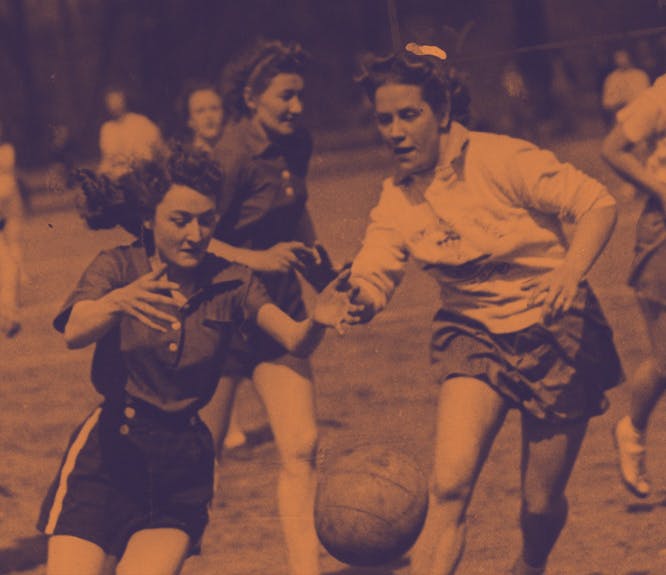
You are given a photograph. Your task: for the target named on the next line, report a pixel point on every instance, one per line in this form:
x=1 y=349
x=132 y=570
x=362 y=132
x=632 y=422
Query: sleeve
x=103 y=275
x=639 y=118
x=379 y=266
x=254 y=299
x=543 y=183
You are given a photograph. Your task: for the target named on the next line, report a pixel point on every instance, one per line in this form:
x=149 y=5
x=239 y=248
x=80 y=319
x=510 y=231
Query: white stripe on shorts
x=67 y=468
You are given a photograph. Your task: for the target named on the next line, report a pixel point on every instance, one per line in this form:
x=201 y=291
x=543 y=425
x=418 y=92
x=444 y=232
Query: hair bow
x=426 y=50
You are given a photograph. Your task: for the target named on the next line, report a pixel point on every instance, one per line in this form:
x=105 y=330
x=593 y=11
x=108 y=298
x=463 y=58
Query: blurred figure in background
x=644 y=121
x=201 y=106
x=11 y=224
x=126 y=137
x=623 y=84
x=521 y=115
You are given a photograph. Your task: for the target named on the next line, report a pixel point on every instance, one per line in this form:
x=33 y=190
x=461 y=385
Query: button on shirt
x=181 y=366
x=489 y=221
x=264 y=194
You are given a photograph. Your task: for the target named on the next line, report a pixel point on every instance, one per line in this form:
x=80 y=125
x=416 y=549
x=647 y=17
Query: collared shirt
x=264 y=194
x=622 y=86
x=489 y=220
x=178 y=368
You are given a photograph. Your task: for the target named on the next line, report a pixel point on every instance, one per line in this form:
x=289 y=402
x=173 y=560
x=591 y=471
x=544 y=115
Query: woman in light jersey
x=518 y=325
x=644 y=121
x=126 y=138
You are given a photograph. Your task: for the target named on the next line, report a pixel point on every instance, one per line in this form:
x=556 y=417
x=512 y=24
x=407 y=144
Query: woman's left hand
x=554 y=291
x=333 y=306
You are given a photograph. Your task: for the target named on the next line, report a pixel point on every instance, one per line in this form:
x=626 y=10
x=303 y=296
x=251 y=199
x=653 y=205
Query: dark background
x=58 y=56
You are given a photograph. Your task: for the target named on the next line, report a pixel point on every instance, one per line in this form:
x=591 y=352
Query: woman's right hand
x=140 y=298
x=279 y=258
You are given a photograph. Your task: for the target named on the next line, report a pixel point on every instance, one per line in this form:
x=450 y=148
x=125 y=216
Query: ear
x=248 y=98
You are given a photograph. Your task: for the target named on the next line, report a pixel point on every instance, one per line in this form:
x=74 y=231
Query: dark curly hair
x=440 y=83
x=255 y=68
x=132 y=199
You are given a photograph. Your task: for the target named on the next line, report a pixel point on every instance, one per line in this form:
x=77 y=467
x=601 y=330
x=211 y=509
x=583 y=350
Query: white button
x=286 y=174
x=289 y=191
x=129 y=412
x=175 y=325
x=124 y=429
x=173 y=346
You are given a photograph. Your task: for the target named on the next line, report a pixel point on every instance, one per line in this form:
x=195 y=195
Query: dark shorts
x=131 y=467
x=650 y=283
x=646 y=267
x=555 y=372
x=255 y=346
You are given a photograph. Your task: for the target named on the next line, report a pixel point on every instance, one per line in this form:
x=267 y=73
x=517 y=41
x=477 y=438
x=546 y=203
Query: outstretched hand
x=140 y=298
x=334 y=305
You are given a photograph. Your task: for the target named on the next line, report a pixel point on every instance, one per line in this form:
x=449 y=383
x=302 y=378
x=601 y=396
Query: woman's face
x=116 y=103
x=183 y=226
x=409 y=126
x=205 y=114
x=279 y=107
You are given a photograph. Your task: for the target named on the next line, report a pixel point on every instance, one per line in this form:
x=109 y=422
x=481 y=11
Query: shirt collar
x=252 y=137
x=453 y=145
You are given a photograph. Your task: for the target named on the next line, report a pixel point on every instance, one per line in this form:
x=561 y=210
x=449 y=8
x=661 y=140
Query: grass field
x=373 y=387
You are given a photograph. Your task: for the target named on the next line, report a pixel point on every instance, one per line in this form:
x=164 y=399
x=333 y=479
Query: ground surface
x=373 y=387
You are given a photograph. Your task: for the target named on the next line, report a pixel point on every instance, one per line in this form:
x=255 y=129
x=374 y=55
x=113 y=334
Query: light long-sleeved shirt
x=490 y=220
x=125 y=141
x=644 y=120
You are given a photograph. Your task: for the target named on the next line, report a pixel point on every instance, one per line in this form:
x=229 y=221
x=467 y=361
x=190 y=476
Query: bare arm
x=299 y=337
x=617 y=151
x=557 y=289
x=332 y=309
x=278 y=258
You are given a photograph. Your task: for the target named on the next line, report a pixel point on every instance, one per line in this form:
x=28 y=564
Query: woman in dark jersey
x=136 y=480
x=264 y=154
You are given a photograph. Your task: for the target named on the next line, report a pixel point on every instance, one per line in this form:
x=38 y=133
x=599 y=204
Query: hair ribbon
x=426 y=50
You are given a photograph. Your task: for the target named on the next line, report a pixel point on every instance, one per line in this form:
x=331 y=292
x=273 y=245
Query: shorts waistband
x=134 y=408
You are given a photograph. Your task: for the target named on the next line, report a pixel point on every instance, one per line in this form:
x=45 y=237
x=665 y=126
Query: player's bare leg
x=470 y=414
x=68 y=554
x=155 y=552
x=217 y=412
x=646 y=387
x=548 y=455
x=288 y=397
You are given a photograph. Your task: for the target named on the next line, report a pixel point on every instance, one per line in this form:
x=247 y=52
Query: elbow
x=74 y=340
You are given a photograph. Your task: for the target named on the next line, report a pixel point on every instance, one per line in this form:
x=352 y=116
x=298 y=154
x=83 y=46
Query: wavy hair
x=133 y=198
x=255 y=68
x=441 y=85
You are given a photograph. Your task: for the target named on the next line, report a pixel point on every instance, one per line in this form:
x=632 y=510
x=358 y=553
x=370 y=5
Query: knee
x=300 y=451
x=542 y=503
x=450 y=492
x=657 y=366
